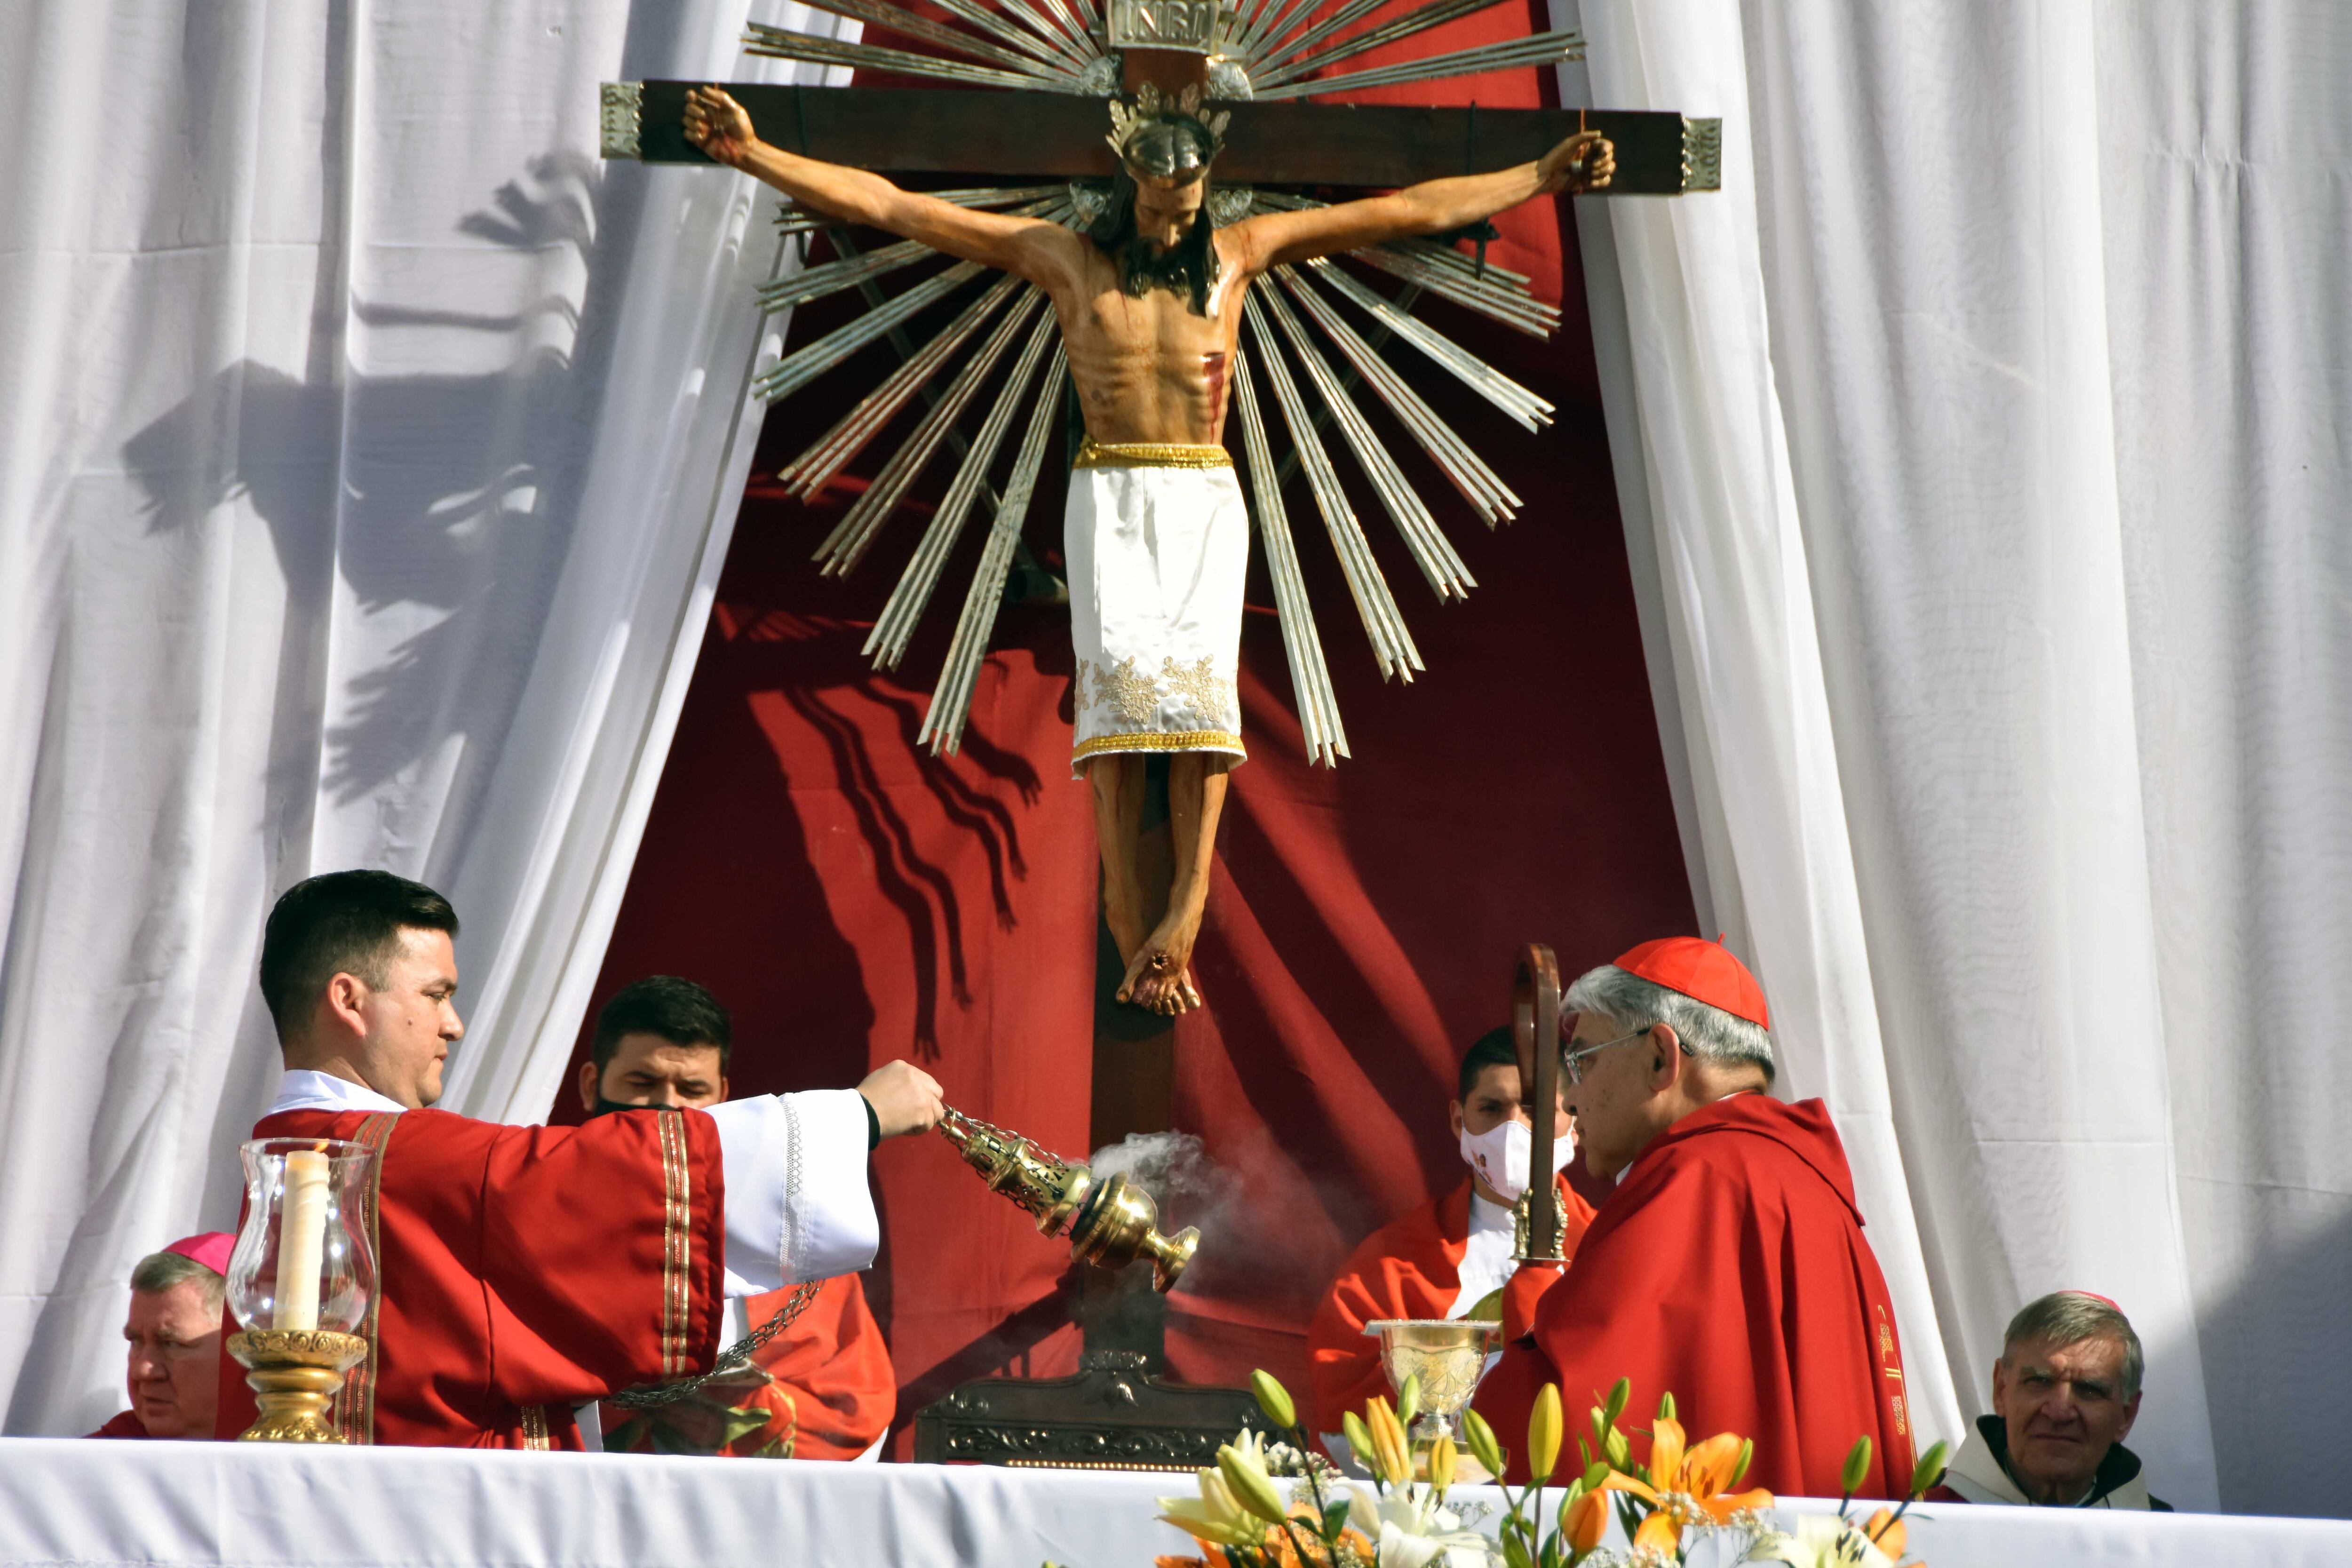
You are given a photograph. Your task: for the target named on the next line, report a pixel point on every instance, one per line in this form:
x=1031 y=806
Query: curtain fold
x=366 y=458
x=1731 y=595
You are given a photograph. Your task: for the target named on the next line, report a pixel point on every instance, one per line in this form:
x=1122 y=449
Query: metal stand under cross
x=1040 y=148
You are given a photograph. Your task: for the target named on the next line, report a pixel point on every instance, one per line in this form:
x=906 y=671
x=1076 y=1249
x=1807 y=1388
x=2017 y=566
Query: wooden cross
x=1020 y=135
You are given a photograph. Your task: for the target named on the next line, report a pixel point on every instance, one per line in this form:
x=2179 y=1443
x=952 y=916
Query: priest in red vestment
x=1452 y=1254
x=525 y=1271
x=1728 y=1268
x=824 y=1388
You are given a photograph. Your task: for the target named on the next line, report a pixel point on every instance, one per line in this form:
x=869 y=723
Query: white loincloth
x=1157 y=543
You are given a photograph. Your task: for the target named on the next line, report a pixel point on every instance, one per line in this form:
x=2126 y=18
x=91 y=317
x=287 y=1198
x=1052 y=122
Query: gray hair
x=2070 y=1317
x=1634 y=1002
x=160 y=1271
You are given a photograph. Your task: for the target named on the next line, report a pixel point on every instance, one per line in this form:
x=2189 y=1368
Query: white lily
x=1414 y=1530
x=1214 y=1516
x=1821 y=1540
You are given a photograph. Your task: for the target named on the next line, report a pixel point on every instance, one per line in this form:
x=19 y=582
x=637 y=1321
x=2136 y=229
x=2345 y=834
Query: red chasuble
x=126 y=1424
x=822 y=1389
x=1729 y=1268
x=521 y=1270
x=1407 y=1268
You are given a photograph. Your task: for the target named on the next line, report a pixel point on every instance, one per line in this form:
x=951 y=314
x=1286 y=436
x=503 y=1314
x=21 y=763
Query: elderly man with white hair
x=2064 y=1393
x=1728 y=1268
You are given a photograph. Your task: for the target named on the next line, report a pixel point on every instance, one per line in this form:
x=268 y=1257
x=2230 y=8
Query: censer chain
x=733 y=1359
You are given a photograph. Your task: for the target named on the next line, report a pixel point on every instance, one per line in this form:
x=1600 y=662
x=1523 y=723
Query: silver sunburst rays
x=1312 y=334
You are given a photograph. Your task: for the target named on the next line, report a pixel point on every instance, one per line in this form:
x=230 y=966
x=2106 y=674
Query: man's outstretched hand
x=1585 y=162
x=905 y=1097
x=718 y=125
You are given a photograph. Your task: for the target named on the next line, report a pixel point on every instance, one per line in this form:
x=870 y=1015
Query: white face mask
x=1501 y=1154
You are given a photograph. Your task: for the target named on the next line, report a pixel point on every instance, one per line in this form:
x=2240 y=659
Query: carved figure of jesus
x=1156 y=534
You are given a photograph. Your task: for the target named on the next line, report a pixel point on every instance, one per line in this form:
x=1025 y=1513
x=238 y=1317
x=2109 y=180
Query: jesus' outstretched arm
x=1585 y=162
x=1044 y=253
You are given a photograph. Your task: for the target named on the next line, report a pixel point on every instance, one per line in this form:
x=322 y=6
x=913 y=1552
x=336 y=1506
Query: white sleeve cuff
x=797 y=1203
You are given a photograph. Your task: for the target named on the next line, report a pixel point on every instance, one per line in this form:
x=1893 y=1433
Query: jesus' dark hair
x=1172 y=145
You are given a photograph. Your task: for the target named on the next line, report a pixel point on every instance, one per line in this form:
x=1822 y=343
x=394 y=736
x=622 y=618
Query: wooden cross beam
x=1024 y=134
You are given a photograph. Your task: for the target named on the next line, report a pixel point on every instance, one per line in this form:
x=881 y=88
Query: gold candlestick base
x=294 y=1375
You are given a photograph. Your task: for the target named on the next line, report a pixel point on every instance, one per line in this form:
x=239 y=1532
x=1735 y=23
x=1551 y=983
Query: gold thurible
x=1111 y=1222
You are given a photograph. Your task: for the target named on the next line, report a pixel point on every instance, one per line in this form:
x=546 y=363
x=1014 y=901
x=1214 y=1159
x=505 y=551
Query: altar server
x=1728 y=1268
x=821 y=1389
x=1452 y=1254
x=526 y=1270
x=174 y=1331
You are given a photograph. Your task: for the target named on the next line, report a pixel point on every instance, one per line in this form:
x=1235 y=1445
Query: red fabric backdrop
x=854 y=899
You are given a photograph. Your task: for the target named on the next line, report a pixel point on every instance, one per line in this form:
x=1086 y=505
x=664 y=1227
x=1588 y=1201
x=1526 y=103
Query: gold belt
x=1093 y=454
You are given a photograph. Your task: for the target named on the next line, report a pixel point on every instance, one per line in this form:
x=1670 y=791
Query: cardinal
x=1450 y=1256
x=1728 y=1268
x=525 y=1272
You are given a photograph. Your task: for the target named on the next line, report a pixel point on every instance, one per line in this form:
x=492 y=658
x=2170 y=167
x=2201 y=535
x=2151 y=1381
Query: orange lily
x=1886 y=1531
x=1685 y=1484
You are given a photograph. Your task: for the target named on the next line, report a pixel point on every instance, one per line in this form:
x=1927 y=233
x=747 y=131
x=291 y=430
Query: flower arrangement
x=1681 y=1493
x=1838 y=1541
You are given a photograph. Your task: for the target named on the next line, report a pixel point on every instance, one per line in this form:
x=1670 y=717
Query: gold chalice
x=1111 y=1221
x=1449 y=1356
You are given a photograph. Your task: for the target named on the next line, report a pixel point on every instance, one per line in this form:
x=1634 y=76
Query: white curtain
x=368 y=450
x=2059 y=355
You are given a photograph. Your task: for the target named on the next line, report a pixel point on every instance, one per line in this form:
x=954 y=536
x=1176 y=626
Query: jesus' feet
x=1157 y=979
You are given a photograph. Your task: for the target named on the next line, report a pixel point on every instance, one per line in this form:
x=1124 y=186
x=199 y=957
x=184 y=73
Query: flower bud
x=1928 y=1471
x=1584 y=1519
x=1543 y=1434
x=1619 y=1452
x=1408 y=1404
x=1666 y=1406
x=1858 y=1466
x=1274 y=1399
x=1441 y=1463
x=1739 y=1470
x=1250 y=1487
x=1617 y=1396
x=1359 y=1440
x=1483 y=1446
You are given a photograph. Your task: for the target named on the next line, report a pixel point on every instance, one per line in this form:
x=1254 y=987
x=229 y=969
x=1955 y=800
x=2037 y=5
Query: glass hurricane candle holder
x=300 y=1279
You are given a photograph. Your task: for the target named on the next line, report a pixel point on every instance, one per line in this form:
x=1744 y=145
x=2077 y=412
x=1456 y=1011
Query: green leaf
x=1516 y=1554
x=1618 y=1395
x=1335 y=1520
x=1747 y=1456
x=1551 y=1557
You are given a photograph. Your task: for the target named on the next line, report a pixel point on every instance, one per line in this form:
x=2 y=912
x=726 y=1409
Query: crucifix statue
x=1149 y=278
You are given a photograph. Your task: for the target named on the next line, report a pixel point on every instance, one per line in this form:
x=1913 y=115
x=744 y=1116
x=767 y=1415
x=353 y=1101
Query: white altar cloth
x=68 y=1501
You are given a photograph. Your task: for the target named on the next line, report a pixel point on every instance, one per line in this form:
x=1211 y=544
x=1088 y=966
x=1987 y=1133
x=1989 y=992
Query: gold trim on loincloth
x=1181 y=740
x=1093 y=454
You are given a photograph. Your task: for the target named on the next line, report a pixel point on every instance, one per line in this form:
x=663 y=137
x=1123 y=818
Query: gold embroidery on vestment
x=1152 y=740
x=1093 y=454
x=353 y=1412
x=676 y=1217
x=534 y=1428
x=1132 y=697
x=1199 y=684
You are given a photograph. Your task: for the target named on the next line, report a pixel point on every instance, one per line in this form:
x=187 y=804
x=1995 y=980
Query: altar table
x=202 y=1504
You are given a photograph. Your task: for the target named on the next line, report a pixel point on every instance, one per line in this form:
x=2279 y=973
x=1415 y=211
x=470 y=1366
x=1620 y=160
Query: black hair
x=1494 y=1049
x=680 y=1011
x=1188 y=268
x=342 y=922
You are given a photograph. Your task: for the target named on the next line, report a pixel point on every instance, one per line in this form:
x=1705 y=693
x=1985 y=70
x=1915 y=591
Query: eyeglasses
x=1574 y=1061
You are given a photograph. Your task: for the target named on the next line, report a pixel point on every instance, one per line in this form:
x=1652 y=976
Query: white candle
x=301 y=1239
